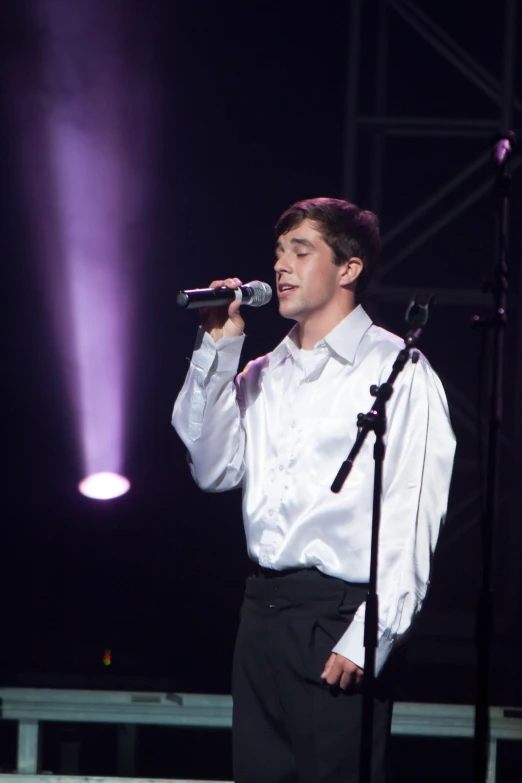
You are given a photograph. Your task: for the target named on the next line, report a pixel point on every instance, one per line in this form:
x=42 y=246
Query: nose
x=283 y=263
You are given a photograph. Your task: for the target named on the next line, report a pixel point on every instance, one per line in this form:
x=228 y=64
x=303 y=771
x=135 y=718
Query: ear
x=350 y=271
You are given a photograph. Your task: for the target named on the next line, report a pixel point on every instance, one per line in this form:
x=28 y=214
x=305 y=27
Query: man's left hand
x=340 y=671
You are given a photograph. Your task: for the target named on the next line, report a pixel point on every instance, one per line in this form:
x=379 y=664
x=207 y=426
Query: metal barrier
x=31 y=706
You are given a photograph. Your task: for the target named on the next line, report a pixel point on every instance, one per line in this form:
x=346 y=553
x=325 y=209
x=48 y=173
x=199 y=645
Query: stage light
x=104 y=486
x=84 y=111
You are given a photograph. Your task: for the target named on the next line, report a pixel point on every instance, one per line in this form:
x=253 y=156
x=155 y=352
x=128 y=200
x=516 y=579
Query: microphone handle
x=208 y=297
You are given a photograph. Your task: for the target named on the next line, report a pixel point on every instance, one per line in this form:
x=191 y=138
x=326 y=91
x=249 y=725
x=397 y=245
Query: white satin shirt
x=281 y=432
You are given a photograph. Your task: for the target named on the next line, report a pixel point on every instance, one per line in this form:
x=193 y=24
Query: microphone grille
x=261 y=293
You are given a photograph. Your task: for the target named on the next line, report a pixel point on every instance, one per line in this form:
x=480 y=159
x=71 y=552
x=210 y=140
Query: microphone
x=254 y=293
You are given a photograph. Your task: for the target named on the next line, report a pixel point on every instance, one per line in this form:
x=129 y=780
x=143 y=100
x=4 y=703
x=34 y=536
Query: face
x=309 y=284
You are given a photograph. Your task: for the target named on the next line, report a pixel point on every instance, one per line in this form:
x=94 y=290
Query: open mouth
x=284 y=289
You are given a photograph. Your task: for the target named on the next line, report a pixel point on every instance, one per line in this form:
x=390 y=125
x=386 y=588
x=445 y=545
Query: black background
x=250 y=104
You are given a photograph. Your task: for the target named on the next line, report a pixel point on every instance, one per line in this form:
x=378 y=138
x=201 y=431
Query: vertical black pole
x=485 y=624
x=372 y=612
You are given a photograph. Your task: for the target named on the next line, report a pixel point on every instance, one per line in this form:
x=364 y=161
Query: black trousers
x=288 y=727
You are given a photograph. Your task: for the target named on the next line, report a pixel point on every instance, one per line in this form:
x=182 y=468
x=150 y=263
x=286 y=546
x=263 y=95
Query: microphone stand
x=375 y=420
x=502 y=151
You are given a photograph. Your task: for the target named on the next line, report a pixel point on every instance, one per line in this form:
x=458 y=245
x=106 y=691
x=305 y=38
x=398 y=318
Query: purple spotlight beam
x=92 y=116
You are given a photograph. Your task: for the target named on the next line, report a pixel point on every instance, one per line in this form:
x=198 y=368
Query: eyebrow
x=296 y=241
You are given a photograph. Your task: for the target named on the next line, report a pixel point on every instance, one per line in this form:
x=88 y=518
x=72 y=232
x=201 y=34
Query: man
x=280 y=430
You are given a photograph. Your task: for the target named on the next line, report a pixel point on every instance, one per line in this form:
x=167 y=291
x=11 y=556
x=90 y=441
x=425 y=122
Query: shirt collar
x=343 y=340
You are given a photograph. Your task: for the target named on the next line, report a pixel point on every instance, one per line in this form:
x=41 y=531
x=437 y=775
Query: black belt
x=271 y=573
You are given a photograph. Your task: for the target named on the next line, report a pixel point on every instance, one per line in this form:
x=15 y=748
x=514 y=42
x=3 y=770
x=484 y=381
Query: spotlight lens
x=104 y=486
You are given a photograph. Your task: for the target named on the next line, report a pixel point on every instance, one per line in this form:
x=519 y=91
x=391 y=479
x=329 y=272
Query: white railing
x=31 y=706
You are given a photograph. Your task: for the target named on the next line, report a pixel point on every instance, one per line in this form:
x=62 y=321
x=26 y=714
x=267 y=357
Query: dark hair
x=347 y=229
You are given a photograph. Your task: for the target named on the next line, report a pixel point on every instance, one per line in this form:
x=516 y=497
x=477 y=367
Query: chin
x=286 y=312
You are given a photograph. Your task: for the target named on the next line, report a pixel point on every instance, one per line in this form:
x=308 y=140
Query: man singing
x=280 y=430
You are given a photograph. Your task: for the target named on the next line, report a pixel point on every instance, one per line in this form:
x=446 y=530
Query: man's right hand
x=223 y=321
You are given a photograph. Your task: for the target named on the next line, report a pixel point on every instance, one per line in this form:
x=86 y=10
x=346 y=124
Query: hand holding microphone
x=220 y=304
x=223 y=321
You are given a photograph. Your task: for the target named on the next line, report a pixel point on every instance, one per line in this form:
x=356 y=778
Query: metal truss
x=370 y=22
x=380 y=126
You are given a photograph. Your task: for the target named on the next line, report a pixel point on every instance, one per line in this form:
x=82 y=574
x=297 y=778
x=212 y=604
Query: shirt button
x=281 y=467
x=293 y=425
x=271 y=512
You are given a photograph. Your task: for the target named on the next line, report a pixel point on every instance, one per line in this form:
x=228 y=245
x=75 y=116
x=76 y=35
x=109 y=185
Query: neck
x=317 y=325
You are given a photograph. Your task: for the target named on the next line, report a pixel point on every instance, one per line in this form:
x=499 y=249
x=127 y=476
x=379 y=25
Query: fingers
x=342 y=673
x=350 y=680
x=328 y=665
x=230 y=282
x=224 y=321
x=335 y=672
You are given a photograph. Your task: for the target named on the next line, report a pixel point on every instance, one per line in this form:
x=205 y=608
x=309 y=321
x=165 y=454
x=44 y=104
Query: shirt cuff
x=351 y=646
x=222 y=356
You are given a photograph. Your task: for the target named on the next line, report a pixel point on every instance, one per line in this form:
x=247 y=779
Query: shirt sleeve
x=420 y=447
x=207 y=417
